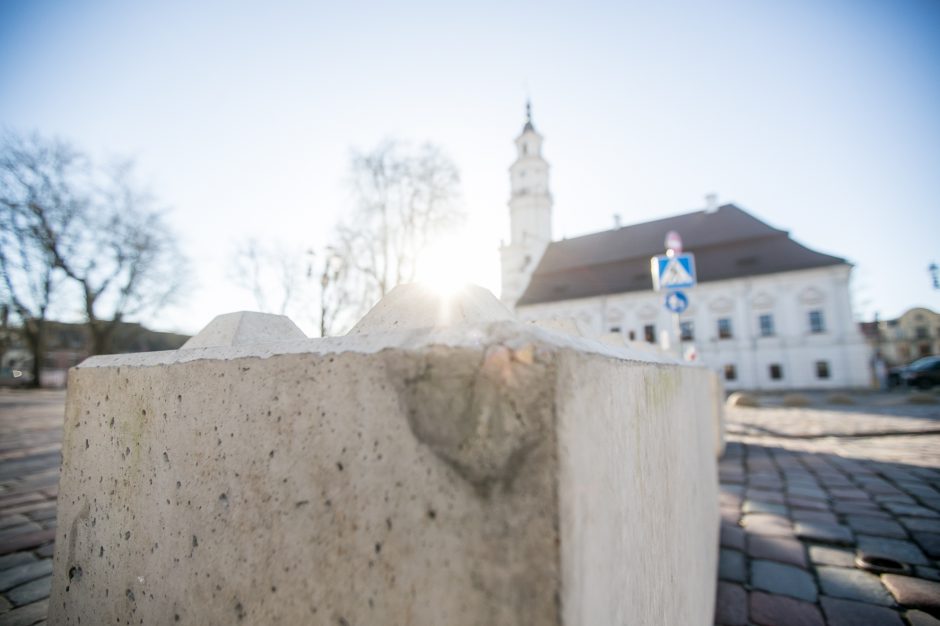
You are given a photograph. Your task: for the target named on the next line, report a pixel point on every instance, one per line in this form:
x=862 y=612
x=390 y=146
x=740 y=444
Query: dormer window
x=525 y=148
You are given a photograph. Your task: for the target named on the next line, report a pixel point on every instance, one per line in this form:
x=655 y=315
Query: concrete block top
x=409 y=317
x=245 y=328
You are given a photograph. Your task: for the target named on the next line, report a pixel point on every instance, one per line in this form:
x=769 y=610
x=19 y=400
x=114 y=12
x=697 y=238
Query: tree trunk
x=35 y=341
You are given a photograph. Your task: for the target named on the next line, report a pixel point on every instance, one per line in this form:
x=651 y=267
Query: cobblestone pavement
x=804 y=491
x=30 y=446
x=807 y=492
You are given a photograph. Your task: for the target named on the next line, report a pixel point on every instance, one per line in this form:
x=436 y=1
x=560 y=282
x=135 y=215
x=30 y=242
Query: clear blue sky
x=819 y=117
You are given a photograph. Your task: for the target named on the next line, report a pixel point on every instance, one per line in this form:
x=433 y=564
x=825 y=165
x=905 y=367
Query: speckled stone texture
x=512 y=478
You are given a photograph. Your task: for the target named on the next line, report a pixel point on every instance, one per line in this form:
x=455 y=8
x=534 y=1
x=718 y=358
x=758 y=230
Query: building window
x=816 y=323
x=632 y=335
x=822 y=369
x=615 y=329
x=724 y=328
x=776 y=371
x=730 y=372
x=921 y=332
x=766 y=323
x=686 y=331
x=649 y=333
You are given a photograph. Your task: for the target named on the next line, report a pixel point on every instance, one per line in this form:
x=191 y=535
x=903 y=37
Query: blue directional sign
x=677 y=302
x=673 y=272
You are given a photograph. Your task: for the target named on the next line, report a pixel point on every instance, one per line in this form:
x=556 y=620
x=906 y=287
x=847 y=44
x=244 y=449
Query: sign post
x=672 y=272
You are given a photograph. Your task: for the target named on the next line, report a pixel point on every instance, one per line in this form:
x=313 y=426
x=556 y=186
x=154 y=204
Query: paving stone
x=776 y=548
x=876 y=526
x=920 y=524
x=730 y=515
x=850 y=613
x=26 y=615
x=832 y=556
x=898 y=498
x=45 y=551
x=783 y=579
x=8 y=501
x=26 y=541
x=929 y=543
x=808 y=493
x=13 y=520
x=932 y=503
x=771 y=610
x=4 y=605
x=897 y=549
x=919 y=618
x=12 y=531
x=755 y=506
x=848 y=494
x=822 y=517
x=733 y=489
x=914 y=592
x=769 y=497
x=732 y=536
x=732 y=566
x=34 y=591
x=767 y=524
x=731 y=605
x=24 y=573
x=911 y=510
x=853 y=584
x=929 y=573
x=824 y=533
x=17 y=558
x=862 y=508
x=806 y=503
x=33 y=506
x=45 y=514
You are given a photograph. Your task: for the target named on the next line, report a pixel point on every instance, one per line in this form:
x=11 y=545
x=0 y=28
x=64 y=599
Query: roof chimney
x=616 y=220
x=711 y=202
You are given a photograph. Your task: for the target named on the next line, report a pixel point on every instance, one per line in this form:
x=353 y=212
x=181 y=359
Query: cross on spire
x=528 y=116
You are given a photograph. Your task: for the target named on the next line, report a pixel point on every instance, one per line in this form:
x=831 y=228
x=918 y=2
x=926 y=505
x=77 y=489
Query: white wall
x=788 y=297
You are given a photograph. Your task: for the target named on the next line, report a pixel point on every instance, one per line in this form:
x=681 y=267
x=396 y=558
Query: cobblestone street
x=804 y=493
x=30 y=446
x=807 y=492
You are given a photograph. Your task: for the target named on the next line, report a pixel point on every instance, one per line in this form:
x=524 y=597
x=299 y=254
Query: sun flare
x=447 y=266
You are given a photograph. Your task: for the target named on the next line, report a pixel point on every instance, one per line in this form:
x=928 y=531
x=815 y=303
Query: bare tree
x=404 y=197
x=279 y=277
x=93 y=226
x=125 y=259
x=283 y=280
x=42 y=187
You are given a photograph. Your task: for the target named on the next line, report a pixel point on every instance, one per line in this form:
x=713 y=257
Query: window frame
x=817 y=321
x=770 y=330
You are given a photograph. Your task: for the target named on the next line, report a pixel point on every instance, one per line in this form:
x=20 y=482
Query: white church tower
x=530 y=213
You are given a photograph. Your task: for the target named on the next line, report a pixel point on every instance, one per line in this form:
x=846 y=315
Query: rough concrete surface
x=495 y=474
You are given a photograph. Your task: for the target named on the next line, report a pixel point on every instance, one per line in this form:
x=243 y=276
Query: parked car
x=923 y=373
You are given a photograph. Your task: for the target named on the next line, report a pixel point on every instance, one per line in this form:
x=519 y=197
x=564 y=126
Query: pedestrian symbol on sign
x=674 y=272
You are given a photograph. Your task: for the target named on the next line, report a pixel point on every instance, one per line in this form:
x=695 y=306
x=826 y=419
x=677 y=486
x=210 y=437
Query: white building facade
x=767 y=313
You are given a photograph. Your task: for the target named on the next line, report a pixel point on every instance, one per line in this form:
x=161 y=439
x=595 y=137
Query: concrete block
x=478 y=472
x=245 y=328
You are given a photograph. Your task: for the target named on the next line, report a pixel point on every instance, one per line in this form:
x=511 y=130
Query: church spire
x=528 y=116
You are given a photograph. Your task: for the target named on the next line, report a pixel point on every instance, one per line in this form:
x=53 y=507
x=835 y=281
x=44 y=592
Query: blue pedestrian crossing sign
x=673 y=272
x=677 y=302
